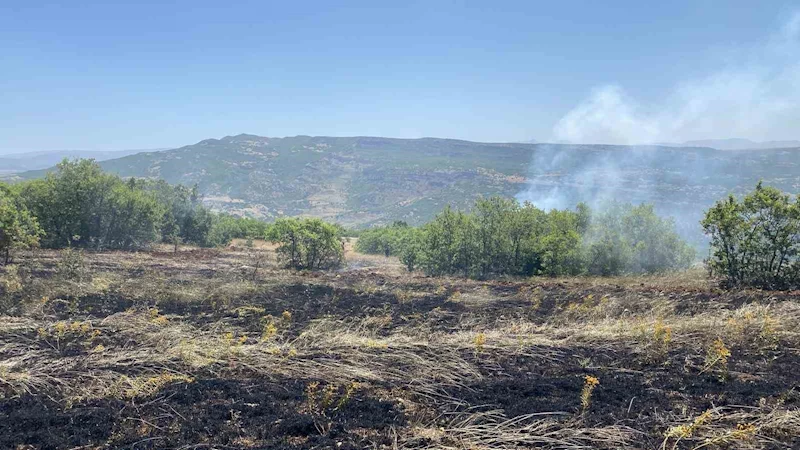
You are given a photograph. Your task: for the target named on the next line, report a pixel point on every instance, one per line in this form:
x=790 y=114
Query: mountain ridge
x=364 y=180
x=736 y=144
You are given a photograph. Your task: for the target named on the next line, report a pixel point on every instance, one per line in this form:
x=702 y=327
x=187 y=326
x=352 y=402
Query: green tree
x=387 y=240
x=559 y=244
x=170 y=231
x=755 y=241
x=623 y=238
x=448 y=243
x=501 y=237
x=493 y=219
x=80 y=205
x=411 y=253
x=18 y=228
x=196 y=226
x=655 y=245
x=310 y=244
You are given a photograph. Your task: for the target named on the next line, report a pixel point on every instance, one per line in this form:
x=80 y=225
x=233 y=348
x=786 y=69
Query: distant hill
x=353 y=180
x=737 y=144
x=19 y=162
x=359 y=181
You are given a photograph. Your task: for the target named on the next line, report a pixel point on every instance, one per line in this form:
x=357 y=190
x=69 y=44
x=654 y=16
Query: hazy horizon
x=727 y=143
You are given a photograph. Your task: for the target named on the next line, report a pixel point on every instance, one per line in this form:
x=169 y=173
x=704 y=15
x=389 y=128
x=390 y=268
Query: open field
x=222 y=349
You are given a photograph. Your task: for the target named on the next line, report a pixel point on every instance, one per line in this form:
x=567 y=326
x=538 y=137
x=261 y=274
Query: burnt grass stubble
x=236 y=408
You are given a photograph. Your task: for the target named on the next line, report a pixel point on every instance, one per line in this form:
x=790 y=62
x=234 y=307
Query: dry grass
x=222 y=348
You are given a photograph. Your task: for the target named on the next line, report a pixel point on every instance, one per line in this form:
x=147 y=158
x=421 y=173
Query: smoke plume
x=756 y=96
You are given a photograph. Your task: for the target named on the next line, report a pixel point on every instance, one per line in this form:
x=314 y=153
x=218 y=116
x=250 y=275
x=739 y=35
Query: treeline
x=79 y=205
x=502 y=237
x=755 y=241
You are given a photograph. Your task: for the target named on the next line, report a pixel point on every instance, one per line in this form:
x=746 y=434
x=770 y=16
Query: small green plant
x=72 y=266
x=233 y=343
x=744 y=431
x=403 y=296
x=533 y=295
x=757 y=329
x=270 y=330
x=249 y=311
x=324 y=403
x=272 y=325
x=372 y=343
x=455 y=297
x=11 y=281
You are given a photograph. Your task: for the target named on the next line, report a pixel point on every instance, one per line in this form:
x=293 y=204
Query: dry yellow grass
x=202 y=347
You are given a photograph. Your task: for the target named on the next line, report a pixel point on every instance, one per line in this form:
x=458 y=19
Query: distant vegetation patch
x=503 y=237
x=80 y=205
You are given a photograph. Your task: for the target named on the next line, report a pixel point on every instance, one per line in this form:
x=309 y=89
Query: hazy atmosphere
x=109 y=76
x=437 y=225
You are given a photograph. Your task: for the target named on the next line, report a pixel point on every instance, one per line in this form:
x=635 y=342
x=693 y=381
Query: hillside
x=355 y=181
x=359 y=181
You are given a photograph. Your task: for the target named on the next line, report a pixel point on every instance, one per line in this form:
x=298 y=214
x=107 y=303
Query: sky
x=107 y=75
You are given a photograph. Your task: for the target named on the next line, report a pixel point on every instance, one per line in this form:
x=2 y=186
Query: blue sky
x=120 y=75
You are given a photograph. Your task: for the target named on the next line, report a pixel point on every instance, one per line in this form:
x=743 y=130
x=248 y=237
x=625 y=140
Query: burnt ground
x=221 y=349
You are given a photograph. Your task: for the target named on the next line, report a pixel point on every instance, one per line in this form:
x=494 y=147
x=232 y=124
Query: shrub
x=755 y=241
x=307 y=243
x=387 y=241
x=72 y=266
x=502 y=237
x=18 y=228
x=105 y=211
x=632 y=239
x=411 y=249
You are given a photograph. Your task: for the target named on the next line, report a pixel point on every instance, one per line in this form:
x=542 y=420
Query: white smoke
x=607 y=117
x=756 y=97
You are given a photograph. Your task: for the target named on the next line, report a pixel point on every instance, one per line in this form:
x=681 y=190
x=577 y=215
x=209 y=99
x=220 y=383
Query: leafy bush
x=18 y=228
x=502 y=237
x=102 y=209
x=387 y=241
x=72 y=266
x=105 y=211
x=411 y=249
x=308 y=243
x=633 y=239
x=756 y=241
